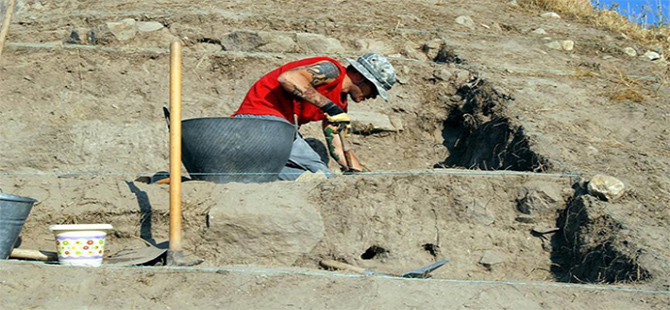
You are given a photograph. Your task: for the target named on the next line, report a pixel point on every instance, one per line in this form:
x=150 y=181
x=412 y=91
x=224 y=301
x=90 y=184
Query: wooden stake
x=5 y=24
x=175 y=148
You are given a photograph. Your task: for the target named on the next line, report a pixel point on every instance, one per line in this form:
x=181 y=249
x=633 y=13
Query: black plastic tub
x=225 y=149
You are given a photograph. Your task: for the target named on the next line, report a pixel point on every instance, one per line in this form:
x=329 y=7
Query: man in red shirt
x=316 y=89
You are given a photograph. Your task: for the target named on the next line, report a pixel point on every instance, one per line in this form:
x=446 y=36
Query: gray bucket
x=14 y=211
x=247 y=150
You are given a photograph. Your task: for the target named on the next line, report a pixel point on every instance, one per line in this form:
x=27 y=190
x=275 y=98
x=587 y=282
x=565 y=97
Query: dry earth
x=81 y=117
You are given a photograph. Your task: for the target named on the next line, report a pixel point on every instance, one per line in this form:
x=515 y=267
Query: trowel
x=420 y=273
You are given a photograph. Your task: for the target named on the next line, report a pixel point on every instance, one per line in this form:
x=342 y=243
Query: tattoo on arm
x=329 y=139
x=310 y=94
x=323 y=71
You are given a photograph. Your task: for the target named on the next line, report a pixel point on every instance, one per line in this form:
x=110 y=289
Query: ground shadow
x=145 y=212
x=320 y=148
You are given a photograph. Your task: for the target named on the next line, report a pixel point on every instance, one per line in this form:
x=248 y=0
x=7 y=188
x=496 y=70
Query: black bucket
x=246 y=150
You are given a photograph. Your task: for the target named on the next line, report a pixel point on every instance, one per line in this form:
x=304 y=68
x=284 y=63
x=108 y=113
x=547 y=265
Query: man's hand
x=354 y=165
x=337 y=117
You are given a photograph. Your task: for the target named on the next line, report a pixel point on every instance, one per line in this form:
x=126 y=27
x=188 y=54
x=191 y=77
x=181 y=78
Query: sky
x=636 y=9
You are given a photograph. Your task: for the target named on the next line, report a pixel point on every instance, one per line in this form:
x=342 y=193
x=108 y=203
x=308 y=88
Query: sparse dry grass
x=583 y=10
x=627 y=93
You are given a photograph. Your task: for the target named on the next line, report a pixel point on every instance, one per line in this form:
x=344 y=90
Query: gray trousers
x=303 y=157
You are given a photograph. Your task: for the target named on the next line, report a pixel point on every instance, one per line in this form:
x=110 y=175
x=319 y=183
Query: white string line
x=567 y=174
x=345 y=275
x=21 y=45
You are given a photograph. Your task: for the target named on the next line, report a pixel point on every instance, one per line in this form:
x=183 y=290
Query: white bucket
x=80 y=244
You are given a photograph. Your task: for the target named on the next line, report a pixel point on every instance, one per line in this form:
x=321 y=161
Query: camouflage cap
x=378 y=70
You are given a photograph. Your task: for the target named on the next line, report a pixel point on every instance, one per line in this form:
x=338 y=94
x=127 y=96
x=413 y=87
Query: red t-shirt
x=268 y=97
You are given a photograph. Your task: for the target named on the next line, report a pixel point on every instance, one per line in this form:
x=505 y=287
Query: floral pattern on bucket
x=87 y=248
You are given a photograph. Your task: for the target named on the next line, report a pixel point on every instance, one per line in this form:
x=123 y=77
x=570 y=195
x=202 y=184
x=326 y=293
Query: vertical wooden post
x=5 y=23
x=175 y=248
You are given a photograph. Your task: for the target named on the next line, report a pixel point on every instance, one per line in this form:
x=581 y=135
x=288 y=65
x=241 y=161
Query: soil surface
x=496 y=137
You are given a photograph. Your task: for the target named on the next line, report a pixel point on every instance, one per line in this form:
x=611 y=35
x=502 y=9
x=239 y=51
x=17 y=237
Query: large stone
x=308 y=176
x=442 y=74
x=373 y=46
x=630 y=51
x=461 y=76
x=473 y=211
x=539 y=198
x=466 y=21
x=492 y=258
x=370 y=122
x=260 y=41
x=149 y=26
x=124 y=30
x=606 y=187
x=554 y=45
x=652 y=55
x=412 y=50
x=316 y=43
x=567 y=45
x=432 y=48
x=539 y=31
x=265 y=227
x=551 y=15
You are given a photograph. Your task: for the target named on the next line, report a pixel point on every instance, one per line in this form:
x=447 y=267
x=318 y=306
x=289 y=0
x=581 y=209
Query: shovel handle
x=344 y=266
x=175 y=147
x=46 y=256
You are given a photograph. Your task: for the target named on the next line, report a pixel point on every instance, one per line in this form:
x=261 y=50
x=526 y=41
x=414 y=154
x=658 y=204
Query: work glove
x=337 y=117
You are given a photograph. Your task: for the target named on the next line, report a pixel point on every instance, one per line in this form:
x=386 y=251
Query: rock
x=442 y=74
x=265 y=228
x=73 y=38
x=462 y=77
x=496 y=27
x=465 y=21
x=513 y=3
x=539 y=31
x=316 y=43
x=567 y=45
x=630 y=51
x=412 y=50
x=149 y=26
x=308 y=176
x=262 y=41
x=431 y=48
x=591 y=150
x=473 y=211
x=397 y=123
x=652 y=55
x=492 y=258
x=124 y=30
x=373 y=46
x=554 y=45
x=551 y=15
x=370 y=122
x=538 y=198
x=606 y=187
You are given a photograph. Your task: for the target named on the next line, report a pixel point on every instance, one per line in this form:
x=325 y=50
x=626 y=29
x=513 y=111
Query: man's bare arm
x=335 y=147
x=301 y=81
